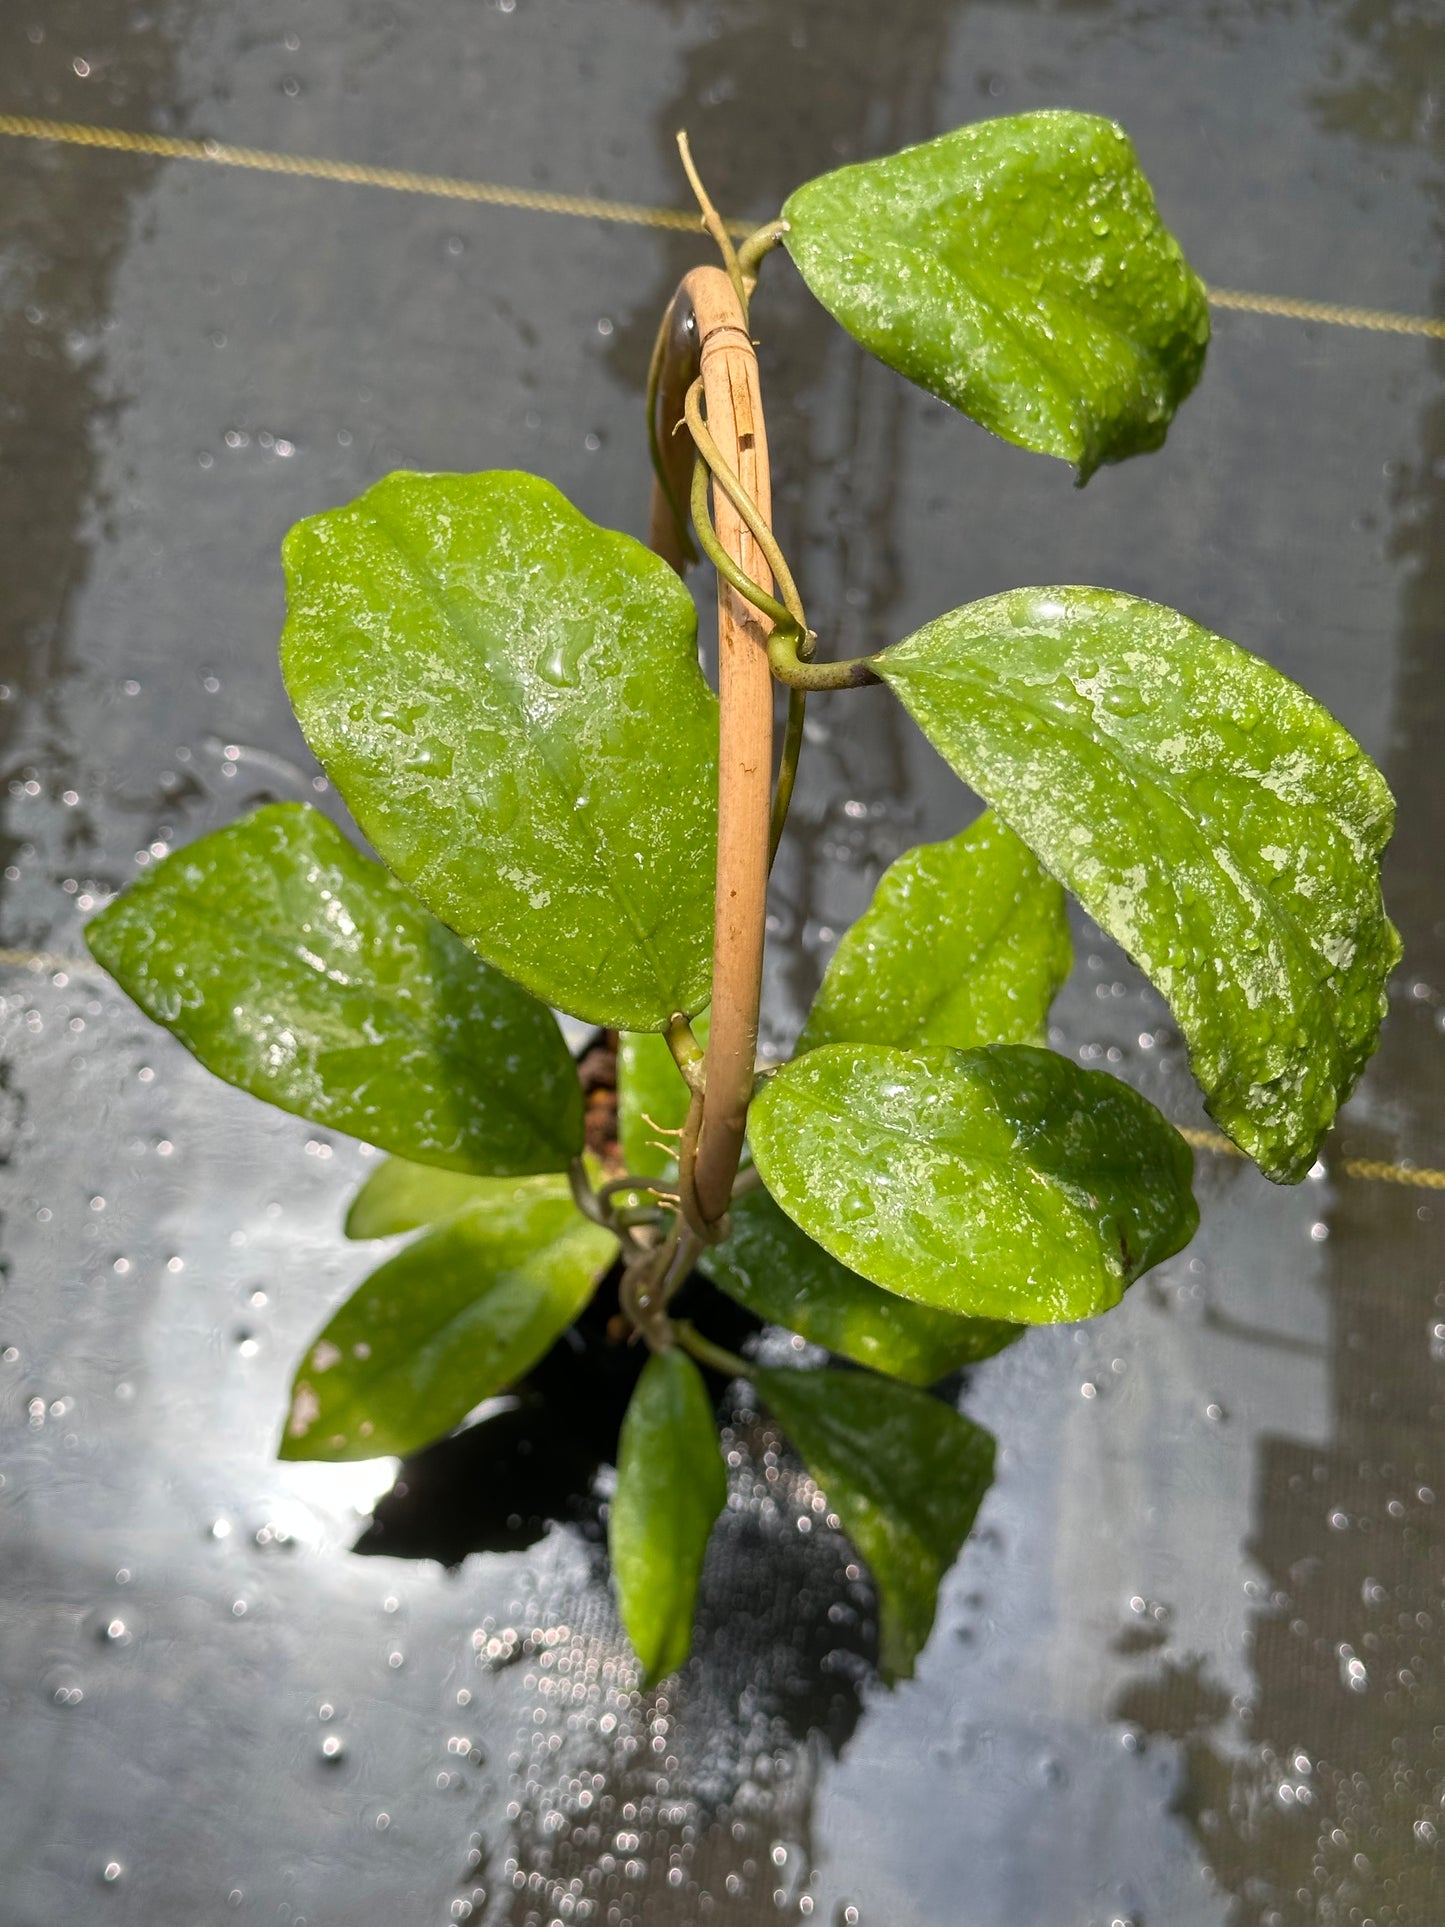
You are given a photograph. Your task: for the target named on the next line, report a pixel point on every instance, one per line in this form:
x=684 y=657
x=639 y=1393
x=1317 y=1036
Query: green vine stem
x=687 y=1052
x=706 y=1353
x=712 y=548
x=769 y=606
x=684 y=1256
x=715 y=225
x=789 y=617
x=760 y=242
x=757 y=524
x=583 y=1196
x=790 y=646
x=687 y=1168
x=642 y=1293
x=787 y=770
x=629 y=1186
x=793 y=668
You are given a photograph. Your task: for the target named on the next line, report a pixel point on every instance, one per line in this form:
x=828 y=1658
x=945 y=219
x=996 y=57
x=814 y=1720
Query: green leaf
x=1019 y=269
x=652 y=1100
x=1002 y=1183
x=777 y=1272
x=671 y=1485
x=291 y=965
x=1211 y=816
x=459 y=1315
x=402 y=1196
x=509 y=699
x=905 y=1475
x=965 y=943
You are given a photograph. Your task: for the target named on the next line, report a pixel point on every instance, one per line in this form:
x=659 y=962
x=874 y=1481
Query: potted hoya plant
x=568 y=818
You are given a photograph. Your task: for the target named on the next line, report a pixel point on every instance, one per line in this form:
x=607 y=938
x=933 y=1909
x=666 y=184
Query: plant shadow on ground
x=497 y=1485
x=802 y=1640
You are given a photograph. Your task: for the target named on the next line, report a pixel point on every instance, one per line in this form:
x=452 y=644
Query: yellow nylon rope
x=400 y=180
x=1370 y=1170
x=1377 y=320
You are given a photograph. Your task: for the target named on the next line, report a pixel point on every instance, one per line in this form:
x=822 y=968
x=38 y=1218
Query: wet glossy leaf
x=768 y=1265
x=1003 y=1183
x=671 y=1485
x=292 y=965
x=402 y=1196
x=1211 y=816
x=652 y=1100
x=462 y=1313
x=1019 y=269
x=905 y=1475
x=509 y=699
x=965 y=943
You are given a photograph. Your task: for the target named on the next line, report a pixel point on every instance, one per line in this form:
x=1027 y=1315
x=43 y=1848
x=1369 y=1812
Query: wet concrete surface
x=1188 y=1671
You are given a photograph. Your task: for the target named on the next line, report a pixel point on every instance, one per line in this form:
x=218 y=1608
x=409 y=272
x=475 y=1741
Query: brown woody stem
x=729 y=369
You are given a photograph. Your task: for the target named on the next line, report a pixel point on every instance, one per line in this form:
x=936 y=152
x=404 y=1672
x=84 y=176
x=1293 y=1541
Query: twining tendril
x=754 y=593
x=715 y=225
x=791 y=643
x=790 y=646
x=790 y=615
x=713 y=549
